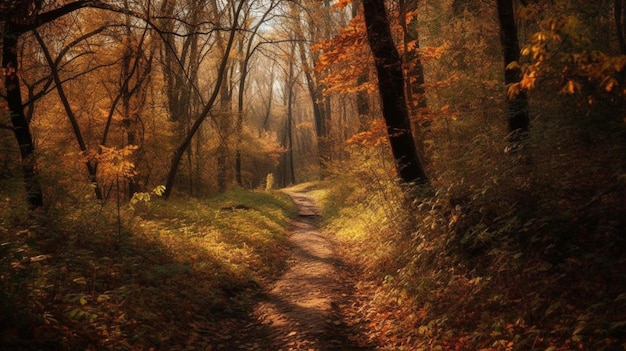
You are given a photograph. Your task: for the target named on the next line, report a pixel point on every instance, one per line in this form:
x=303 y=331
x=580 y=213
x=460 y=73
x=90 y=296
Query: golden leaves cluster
x=115 y=163
x=560 y=52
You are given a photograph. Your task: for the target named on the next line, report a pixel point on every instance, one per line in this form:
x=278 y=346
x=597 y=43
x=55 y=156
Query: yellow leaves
x=571 y=28
x=513 y=65
x=80 y=280
x=513 y=90
x=528 y=80
x=116 y=163
x=142 y=197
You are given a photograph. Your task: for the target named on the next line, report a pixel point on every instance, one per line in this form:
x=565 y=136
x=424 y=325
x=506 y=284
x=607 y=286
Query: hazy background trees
x=206 y=95
x=183 y=93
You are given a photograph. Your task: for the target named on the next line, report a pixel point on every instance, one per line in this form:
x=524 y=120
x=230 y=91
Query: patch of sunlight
x=304 y=187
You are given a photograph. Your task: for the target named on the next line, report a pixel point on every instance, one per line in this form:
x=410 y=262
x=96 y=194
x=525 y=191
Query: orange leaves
x=429 y=52
x=576 y=67
x=347 y=56
x=375 y=136
x=342 y=3
x=8 y=71
x=529 y=79
x=343 y=58
x=571 y=87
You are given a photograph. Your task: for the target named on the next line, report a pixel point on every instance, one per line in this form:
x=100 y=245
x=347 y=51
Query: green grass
x=72 y=282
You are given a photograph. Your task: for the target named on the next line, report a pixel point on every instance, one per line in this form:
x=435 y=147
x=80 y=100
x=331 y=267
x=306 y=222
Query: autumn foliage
x=520 y=251
x=506 y=249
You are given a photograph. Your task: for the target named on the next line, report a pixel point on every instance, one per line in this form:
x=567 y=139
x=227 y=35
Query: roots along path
x=306 y=308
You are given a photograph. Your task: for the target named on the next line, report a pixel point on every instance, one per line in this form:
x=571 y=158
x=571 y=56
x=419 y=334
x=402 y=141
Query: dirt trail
x=305 y=309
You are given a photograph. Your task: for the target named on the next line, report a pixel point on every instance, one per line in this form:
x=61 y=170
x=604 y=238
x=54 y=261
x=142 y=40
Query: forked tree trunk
x=391 y=89
x=91 y=164
x=221 y=73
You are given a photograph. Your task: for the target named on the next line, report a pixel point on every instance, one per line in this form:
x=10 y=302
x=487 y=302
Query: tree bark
x=518 y=119
x=362 y=97
x=21 y=128
x=391 y=90
x=414 y=68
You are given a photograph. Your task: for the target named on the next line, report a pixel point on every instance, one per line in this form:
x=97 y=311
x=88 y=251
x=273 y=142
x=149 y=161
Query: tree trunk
x=221 y=73
x=224 y=125
x=391 y=89
x=21 y=128
x=243 y=71
x=290 y=169
x=21 y=17
x=619 y=11
x=415 y=92
x=517 y=115
x=90 y=163
x=412 y=61
x=321 y=106
x=362 y=97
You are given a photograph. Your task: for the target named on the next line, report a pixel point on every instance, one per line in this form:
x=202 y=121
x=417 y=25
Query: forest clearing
x=419 y=175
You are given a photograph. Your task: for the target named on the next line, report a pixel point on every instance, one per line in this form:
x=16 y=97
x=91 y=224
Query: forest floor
x=313 y=305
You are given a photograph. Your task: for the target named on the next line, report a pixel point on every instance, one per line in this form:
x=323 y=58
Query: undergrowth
x=520 y=251
x=70 y=281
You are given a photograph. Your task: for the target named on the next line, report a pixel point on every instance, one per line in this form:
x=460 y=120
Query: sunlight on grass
x=178 y=264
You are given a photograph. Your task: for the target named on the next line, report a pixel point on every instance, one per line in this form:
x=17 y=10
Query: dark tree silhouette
x=518 y=119
x=391 y=88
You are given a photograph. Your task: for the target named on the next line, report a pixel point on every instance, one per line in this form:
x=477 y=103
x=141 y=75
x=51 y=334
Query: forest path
x=311 y=306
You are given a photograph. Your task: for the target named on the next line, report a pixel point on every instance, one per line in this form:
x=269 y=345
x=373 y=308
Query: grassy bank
x=72 y=280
